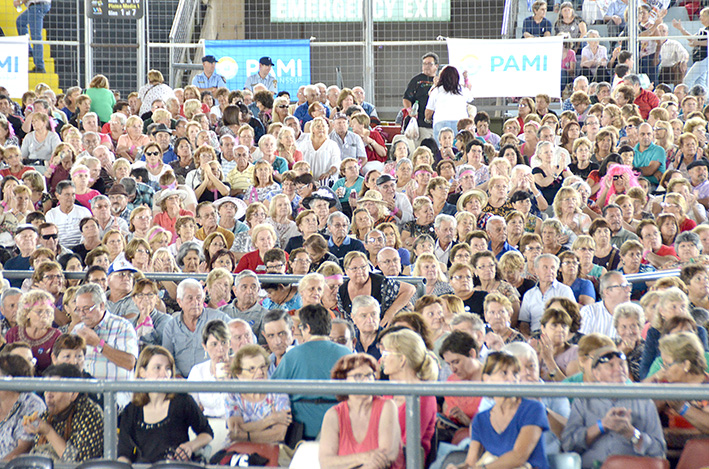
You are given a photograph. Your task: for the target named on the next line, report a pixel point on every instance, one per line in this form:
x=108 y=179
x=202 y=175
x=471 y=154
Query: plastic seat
x=635 y=462
x=104 y=464
x=30 y=461
x=695 y=454
x=564 y=461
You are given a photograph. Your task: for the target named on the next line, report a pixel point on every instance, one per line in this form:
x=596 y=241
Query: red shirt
x=687 y=225
x=371 y=154
x=6 y=172
x=647 y=101
x=252 y=261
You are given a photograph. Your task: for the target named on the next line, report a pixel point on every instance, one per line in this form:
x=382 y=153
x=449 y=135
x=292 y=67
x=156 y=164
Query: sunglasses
x=50 y=236
x=282 y=106
x=617 y=177
x=605 y=358
x=152 y=153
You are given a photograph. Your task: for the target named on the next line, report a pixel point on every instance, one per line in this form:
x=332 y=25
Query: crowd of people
x=523 y=241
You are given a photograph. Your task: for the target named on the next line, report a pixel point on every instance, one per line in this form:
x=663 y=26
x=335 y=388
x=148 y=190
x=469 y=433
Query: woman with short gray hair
x=629 y=320
x=189 y=257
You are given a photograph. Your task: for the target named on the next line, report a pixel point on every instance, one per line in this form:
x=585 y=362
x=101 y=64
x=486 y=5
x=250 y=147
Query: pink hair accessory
x=79 y=171
x=157 y=232
x=422 y=171
x=467 y=171
x=334 y=277
x=172 y=186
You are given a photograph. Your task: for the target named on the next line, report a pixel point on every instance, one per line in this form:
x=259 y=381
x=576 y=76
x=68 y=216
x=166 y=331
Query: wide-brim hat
x=372 y=196
x=169 y=193
x=320 y=194
x=240 y=205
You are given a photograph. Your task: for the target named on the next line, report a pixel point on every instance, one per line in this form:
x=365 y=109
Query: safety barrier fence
x=412 y=392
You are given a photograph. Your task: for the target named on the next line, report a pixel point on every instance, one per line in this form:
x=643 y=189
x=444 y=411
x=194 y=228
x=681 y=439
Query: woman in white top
x=153 y=162
x=448 y=101
x=594 y=58
x=154 y=90
x=41 y=142
x=321 y=153
x=215 y=340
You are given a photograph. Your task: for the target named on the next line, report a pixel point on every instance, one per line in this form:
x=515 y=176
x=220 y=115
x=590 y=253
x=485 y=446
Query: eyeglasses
x=44 y=312
x=624 y=286
x=253 y=369
x=359 y=377
x=302 y=261
x=142 y=251
x=341 y=339
x=462 y=277
x=386 y=353
x=144 y=218
x=152 y=153
x=282 y=106
x=85 y=309
x=50 y=236
x=358 y=269
x=54 y=277
x=376 y=240
x=280 y=265
x=143 y=296
x=605 y=358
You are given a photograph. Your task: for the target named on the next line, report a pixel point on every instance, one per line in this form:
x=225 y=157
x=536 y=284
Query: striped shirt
x=597 y=318
x=68 y=223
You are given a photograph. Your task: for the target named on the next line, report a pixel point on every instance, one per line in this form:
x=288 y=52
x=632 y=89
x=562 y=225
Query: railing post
x=110 y=426
x=413 y=433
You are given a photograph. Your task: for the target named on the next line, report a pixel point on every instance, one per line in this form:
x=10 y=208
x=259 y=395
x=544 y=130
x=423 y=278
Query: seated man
x=277 y=329
x=365 y=316
x=246 y=305
x=72 y=428
x=598 y=428
x=183 y=333
x=311 y=360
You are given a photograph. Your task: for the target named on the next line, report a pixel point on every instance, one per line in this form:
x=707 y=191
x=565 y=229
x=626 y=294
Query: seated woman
x=558 y=358
x=215 y=341
x=537 y=25
x=431 y=309
x=606 y=255
x=427 y=266
x=189 y=257
x=14 y=440
x=569 y=274
x=509 y=433
x=498 y=310
x=150 y=323
x=631 y=254
x=677 y=205
x=406 y=359
x=155 y=426
x=488 y=279
x=261 y=418
x=674 y=302
x=424 y=216
x=361 y=431
x=263 y=237
x=629 y=320
x=687 y=364
x=72 y=428
x=552 y=237
x=568 y=210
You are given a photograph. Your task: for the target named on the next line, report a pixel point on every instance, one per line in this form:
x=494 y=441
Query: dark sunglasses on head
x=50 y=236
x=605 y=358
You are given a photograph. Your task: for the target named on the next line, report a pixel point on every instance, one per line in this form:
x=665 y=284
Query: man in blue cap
x=208 y=80
x=264 y=76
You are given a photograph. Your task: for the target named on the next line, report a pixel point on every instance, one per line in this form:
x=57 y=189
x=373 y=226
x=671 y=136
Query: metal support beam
x=413 y=433
x=110 y=424
x=632 y=22
x=368 y=33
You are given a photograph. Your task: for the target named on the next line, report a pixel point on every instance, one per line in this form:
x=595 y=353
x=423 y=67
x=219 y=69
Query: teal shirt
x=652 y=153
x=657 y=365
x=341 y=183
x=102 y=102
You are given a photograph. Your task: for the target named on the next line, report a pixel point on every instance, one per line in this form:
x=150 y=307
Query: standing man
x=264 y=76
x=208 y=80
x=33 y=17
x=417 y=93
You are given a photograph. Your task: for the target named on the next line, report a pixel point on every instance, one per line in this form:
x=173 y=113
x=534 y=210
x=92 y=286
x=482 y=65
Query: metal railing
x=413 y=392
x=651 y=276
x=178 y=276
x=181 y=32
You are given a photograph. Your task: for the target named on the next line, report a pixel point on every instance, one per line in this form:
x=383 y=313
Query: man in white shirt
x=67 y=215
x=598 y=317
x=534 y=301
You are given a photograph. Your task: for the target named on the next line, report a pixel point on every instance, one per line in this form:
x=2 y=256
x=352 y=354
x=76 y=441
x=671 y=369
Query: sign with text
x=115 y=9
x=237 y=60
x=338 y=11
x=14 y=64
x=509 y=67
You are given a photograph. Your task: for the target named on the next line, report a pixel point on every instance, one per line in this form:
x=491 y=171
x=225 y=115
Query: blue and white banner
x=14 y=64
x=236 y=60
x=501 y=68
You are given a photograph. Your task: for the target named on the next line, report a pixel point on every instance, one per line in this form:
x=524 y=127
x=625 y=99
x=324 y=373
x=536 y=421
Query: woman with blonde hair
x=362 y=223
x=568 y=210
x=673 y=303
x=140 y=222
x=138 y=253
x=129 y=145
x=279 y=213
x=436 y=283
x=262 y=183
x=264 y=238
x=115 y=242
x=405 y=359
x=611 y=116
x=286 y=147
x=159 y=237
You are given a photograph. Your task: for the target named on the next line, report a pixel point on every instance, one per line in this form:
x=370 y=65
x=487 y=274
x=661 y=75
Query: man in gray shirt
x=183 y=334
x=599 y=428
x=614 y=217
x=351 y=144
x=246 y=305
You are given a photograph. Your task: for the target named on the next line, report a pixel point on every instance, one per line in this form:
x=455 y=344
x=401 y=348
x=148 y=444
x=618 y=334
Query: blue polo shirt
x=301 y=112
x=202 y=81
x=349 y=244
x=507 y=247
x=643 y=159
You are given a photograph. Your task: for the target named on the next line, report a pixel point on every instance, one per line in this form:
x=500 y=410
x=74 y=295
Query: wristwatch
x=636 y=436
